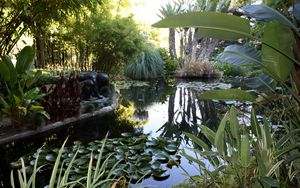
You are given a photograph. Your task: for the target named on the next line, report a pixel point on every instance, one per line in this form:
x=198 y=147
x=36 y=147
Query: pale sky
x=146 y=10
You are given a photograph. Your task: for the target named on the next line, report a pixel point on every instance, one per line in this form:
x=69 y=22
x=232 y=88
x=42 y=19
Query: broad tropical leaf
x=198 y=141
x=228 y=94
x=210 y=24
x=262 y=82
x=4 y=71
x=220 y=134
x=25 y=59
x=244 y=151
x=240 y=55
x=234 y=124
x=12 y=70
x=262 y=12
x=277 y=50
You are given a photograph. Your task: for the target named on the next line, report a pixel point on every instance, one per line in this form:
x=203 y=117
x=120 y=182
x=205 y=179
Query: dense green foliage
x=20 y=100
x=170 y=65
x=114 y=43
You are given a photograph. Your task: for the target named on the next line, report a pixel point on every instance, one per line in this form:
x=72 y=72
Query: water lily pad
x=126 y=134
x=161 y=157
x=171 y=148
x=50 y=157
x=81 y=161
x=83 y=151
x=161 y=176
x=151 y=143
x=145 y=170
x=155 y=164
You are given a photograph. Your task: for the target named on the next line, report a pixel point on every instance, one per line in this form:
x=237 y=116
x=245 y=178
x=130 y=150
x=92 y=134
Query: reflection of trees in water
x=145 y=96
x=186 y=112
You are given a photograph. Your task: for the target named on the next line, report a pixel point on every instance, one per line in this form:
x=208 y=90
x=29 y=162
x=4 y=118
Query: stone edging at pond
x=6 y=138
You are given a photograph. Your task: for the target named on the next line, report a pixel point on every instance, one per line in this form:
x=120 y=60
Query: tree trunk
x=206 y=48
x=40 y=48
x=172 y=43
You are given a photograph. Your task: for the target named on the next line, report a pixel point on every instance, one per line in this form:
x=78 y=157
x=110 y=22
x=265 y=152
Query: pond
x=157 y=109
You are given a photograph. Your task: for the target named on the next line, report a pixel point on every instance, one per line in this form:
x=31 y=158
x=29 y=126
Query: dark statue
x=93 y=84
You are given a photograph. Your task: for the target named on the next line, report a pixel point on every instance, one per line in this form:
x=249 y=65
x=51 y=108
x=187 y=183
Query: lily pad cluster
x=132 y=156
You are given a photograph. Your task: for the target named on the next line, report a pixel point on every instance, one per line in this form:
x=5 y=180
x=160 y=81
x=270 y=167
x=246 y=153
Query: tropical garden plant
x=246 y=156
x=277 y=163
x=21 y=100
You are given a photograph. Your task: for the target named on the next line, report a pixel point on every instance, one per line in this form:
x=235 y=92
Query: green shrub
x=114 y=43
x=170 y=65
x=230 y=70
x=147 y=65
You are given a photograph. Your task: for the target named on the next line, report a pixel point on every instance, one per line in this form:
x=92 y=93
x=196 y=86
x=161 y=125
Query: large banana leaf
x=277 y=50
x=211 y=24
x=240 y=55
x=25 y=59
x=262 y=12
x=262 y=82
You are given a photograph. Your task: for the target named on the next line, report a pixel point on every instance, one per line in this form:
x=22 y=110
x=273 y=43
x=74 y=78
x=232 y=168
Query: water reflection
x=184 y=110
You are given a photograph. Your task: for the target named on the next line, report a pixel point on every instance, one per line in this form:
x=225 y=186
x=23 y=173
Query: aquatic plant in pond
x=136 y=156
x=246 y=156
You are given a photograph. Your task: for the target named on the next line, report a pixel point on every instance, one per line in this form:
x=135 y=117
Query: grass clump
x=147 y=65
x=193 y=69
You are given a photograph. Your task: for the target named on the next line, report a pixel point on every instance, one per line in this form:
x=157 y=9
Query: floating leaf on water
x=171 y=148
x=50 y=157
x=138 y=147
x=93 y=148
x=81 y=161
x=145 y=170
x=126 y=134
x=155 y=164
x=133 y=158
x=80 y=171
x=160 y=177
x=83 y=151
x=161 y=158
x=70 y=155
x=151 y=143
x=145 y=158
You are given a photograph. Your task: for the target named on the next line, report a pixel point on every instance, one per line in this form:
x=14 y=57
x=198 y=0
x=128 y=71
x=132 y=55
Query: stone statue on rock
x=94 y=85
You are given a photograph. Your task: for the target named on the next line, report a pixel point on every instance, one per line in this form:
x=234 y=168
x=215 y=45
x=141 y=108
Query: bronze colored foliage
x=64 y=98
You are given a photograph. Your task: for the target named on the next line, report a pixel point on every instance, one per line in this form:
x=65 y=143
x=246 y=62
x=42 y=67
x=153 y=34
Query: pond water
x=159 y=108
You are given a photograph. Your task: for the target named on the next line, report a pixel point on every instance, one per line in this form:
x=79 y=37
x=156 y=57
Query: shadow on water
x=160 y=108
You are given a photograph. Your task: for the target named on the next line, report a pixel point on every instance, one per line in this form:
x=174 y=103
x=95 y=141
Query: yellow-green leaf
x=210 y=24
